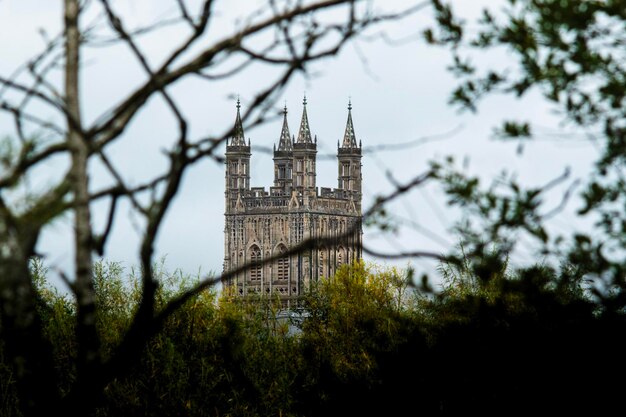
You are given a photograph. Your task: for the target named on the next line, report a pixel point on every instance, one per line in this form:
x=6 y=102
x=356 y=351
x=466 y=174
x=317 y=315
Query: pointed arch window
x=281 y=172
x=340 y=257
x=321 y=263
x=346 y=168
x=282 y=265
x=256 y=270
x=240 y=230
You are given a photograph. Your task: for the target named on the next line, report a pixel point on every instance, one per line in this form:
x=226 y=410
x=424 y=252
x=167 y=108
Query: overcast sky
x=399 y=93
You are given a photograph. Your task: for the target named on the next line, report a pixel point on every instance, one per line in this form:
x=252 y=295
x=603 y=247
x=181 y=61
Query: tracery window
x=282 y=265
x=240 y=229
x=321 y=259
x=256 y=270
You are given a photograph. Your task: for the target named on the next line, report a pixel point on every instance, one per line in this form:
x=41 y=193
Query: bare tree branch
x=14 y=85
x=297 y=31
x=111 y=126
x=100 y=241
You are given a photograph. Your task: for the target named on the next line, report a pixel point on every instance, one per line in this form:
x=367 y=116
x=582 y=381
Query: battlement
x=318 y=192
x=324 y=200
x=334 y=193
x=349 y=151
x=238 y=149
x=305 y=146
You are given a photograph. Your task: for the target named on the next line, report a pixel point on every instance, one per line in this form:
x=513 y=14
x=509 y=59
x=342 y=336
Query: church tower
x=260 y=225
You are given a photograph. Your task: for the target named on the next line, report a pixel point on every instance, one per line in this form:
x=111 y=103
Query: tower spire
x=349 y=138
x=284 y=143
x=238 y=136
x=304 y=135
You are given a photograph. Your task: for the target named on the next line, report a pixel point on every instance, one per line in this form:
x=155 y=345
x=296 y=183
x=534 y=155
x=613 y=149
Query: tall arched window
x=282 y=264
x=256 y=270
x=340 y=257
x=321 y=263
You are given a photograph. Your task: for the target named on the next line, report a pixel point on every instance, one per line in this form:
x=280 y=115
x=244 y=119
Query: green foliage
x=353 y=314
x=497 y=343
x=571 y=52
x=494 y=216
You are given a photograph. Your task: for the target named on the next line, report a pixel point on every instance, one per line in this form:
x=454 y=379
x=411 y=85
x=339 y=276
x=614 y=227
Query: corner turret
x=237 y=163
x=283 y=159
x=349 y=159
x=304 y=155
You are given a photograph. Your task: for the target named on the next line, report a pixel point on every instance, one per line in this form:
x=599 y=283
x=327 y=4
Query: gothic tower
x=261 y=224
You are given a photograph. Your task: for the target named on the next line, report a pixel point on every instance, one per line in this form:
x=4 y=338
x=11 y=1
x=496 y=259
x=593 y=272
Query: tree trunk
x=24 y=348
x=88 y=359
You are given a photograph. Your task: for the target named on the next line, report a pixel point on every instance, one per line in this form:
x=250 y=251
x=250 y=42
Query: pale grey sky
x=399 y=93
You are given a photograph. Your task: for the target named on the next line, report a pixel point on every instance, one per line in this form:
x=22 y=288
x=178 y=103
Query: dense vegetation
x=366 y=343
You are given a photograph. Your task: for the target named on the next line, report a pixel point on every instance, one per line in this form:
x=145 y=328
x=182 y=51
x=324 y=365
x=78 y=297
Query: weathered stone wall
x=261 y=227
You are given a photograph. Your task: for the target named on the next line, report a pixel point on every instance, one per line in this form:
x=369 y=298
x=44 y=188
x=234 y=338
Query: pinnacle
x=238 y=135
x=284 y=143
x=349 y=138
x=304 y=135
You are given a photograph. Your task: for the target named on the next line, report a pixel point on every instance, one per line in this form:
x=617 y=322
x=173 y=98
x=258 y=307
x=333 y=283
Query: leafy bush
x=368 y=343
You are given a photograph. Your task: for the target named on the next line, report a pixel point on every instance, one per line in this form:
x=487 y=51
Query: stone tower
x=261 y=224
